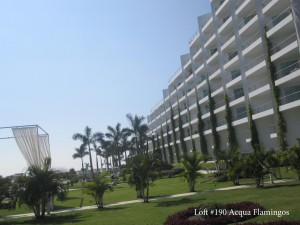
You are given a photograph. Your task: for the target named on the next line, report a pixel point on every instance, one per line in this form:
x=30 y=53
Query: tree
x=170 y=150
x=97 y=150
x=191 y=164
x=101 y=184
x=87 y=139
x=163 y=144
x=181 y=132
x=139 y=130
x=213 y=122
x=106 y=151
x=80 y=153
x=40 y=185
x=232 y=156
x=174 y=134
x=203 y=143
x=292 y=158
x=115 y=135
x=255 y=143
x=4 y=187
x=142 y=169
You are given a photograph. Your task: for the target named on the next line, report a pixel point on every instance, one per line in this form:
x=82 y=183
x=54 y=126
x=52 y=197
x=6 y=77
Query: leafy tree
x=40 y=185
x=291 y=158
x=101 y=184
x=139 y=130
x=255 y=143
x=107 y=151
x=80 y=153
x=4 y=187
x=142 y=169
x=192 y=165
x=87 y=139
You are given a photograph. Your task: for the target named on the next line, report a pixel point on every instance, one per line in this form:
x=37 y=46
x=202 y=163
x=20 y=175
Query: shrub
x=221 y=176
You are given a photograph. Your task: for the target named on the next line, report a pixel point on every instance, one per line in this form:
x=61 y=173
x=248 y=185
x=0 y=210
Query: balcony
x=279 y=21
x=231 y=60
x=228 y=40
x=263 y=110
x=223 y=27
x=247 y=21
x=234 y=78
x=240 y=118
x=213 y=56
x=290 y=101
x=221 y=125
x=284 y=47
x=287 y=73
x=215 y=88
x=255 y=65
x=194 y=38
x=218 y=5
x=219 y=106
x=258 y=87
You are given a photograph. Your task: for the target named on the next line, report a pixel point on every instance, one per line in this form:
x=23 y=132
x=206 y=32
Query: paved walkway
x=140 y=200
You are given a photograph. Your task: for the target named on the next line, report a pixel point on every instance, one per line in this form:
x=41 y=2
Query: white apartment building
x=229 y=52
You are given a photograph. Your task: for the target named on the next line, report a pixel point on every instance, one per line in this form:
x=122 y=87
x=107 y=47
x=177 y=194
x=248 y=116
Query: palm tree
x=115 y=135
x=98 y=152
x=87 y=139
x=192 y=165
x=126 y=145
x=106 y=151
x=80 y=153
x=40 y=185
x=138 y=129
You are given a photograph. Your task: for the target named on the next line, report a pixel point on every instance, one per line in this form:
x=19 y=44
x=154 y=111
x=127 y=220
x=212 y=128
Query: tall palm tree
x=125 y=146
x=138 y=129
x=87 y=139
x=80 y=153
x=106 y=151
x=96 y=149
x=115 y=135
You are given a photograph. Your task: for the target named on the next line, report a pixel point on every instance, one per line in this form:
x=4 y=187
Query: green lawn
x=285 y=196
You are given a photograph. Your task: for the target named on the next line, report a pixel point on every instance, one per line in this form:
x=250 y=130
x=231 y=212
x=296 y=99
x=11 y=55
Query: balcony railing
x=231 y=56
x=290 y=98
x=251 y=40
x=197 y=64
x=219 y=104
x=221 y=122
x=218 y=4
x=195 y=50
x=237 y=95
x=263 y=108
x=227 y=37
x=265 y=2
x=255 y=62
x=284 y=43
x=175 y=74
x=201 y=78
x=213 y=71
x=194 y=36
x=276 y=20
x=234 y=75
x=216 y=87
x=238 y=3
x=225 y=18
x=258 y=84
x=287 y=70
x=247 y=19
x=240 y=115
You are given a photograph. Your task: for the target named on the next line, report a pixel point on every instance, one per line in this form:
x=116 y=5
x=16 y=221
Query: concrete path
x=139 y=200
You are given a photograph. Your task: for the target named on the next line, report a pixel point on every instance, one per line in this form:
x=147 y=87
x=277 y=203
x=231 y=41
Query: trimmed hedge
x=185 y=217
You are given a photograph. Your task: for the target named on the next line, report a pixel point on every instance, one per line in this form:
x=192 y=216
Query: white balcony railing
x=258 y=84
x=247 y=19
x=276 y=20
x=240 y=115
x=287 y=70
x=255 y=62
x=251 y=40
x=227 y=37
x=290 y=98
x=262 y=108
x=283 y=44
x=236 y=95
x=232 y=76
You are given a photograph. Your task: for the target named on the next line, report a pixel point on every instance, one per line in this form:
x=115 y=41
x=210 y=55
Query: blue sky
x=66 y=64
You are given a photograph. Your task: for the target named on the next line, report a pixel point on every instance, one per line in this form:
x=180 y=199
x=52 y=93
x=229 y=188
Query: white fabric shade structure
x=34 y=146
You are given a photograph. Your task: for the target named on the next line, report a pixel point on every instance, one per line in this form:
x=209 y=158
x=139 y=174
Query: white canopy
x=34 y=147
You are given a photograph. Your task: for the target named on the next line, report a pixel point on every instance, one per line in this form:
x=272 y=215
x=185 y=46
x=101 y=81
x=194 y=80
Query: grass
x=283 y=196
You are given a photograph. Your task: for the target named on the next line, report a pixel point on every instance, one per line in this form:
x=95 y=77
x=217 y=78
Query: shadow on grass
x=280 y=185
x=53 y=219
x=178 y=202
x=111 y=208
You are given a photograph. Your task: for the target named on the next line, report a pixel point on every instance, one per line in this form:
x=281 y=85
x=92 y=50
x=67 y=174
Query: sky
x=68 y=64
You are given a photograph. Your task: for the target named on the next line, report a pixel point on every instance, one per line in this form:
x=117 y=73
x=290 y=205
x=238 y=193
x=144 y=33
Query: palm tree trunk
x=91 y=162
x=82 y=168
x=97 y=163
x=107 y=164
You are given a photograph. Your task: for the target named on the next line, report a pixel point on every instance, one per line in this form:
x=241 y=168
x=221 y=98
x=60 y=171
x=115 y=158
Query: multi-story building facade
x=248 y=50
